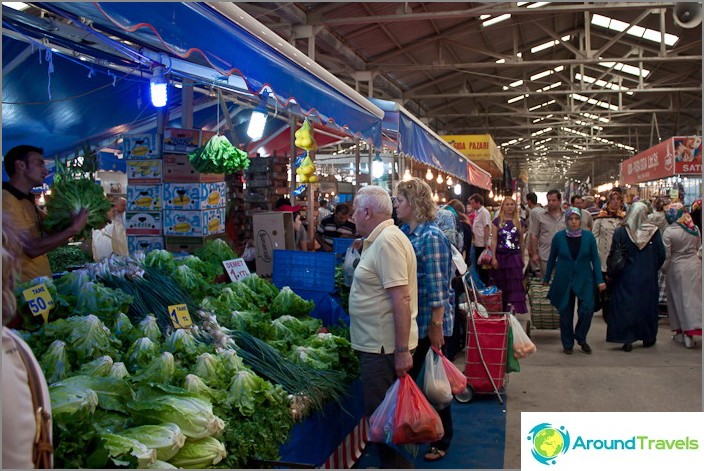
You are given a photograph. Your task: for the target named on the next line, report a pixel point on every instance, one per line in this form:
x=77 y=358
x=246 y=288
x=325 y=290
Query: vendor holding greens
x=25 y=166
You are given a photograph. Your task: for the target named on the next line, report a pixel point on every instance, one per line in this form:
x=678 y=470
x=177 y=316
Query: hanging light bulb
x=429 y=175
x=407 y=175
x=491 y=193
x=158 y=87
x=436 y=198
x=440 y=179
x=458 y=189
x=449 y=181
x=257 y=122
x=377 y=167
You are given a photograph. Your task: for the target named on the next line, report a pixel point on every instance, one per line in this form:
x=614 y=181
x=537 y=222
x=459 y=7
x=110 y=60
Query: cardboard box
x=142 y=223
x=139 y=146
x=181 y=140
x=272 y=230
x=144 y=197
x=144 y=172
x=178 y=169
x=194 y=196
x=188 y=244
x=144 y=244
x=194 y=223
x=205 y=136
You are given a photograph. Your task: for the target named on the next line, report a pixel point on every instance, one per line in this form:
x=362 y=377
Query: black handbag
x=617 y=259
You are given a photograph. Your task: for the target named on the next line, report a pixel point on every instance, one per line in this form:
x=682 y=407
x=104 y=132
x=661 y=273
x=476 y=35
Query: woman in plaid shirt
x=416 y=210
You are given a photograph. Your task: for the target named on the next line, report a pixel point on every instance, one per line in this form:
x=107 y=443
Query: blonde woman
x=416 y=209
x=507 y=254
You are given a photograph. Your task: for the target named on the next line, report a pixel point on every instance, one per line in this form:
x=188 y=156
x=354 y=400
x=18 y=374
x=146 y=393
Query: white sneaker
x=688 y=341
x=678 y=337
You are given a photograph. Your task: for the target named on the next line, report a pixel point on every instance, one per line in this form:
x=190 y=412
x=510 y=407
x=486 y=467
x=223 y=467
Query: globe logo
x=548 y=442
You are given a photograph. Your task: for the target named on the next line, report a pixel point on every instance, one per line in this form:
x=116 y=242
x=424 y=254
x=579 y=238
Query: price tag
x=180 y=318
x=236 y=269
x=39 y=301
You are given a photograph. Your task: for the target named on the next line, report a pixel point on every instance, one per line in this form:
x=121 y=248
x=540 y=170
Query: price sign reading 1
x=180 y=318
x=236 y=269
x=39 y=301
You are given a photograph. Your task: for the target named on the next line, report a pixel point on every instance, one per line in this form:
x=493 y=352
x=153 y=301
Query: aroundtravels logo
x=548 y=442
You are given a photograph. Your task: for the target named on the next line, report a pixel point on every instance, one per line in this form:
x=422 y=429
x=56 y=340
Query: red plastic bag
x=457 y=379
x=415 y=420
x=381 y=422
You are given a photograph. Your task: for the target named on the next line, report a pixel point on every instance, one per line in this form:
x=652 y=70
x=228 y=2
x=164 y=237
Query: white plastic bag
x=522 y=344
x=381 y=422
x=436 y=386
x=352 y=257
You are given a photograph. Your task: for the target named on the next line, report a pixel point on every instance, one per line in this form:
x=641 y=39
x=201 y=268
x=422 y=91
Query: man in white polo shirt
x=481 y=233
x=383 y=305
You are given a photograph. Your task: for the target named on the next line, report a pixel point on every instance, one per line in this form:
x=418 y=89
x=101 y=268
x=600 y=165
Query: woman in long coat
x=575 y=258
x=682 y=239
x=633 y=310
x=605 y=223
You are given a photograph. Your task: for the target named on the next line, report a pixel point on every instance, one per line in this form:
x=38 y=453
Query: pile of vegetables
x=67 y=256
x=128 y=390
x=75 y=188
x=218 y=156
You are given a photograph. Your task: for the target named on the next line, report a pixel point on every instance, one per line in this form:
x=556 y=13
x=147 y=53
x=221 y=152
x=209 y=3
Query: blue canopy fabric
x=198 y=34
x=422 y=145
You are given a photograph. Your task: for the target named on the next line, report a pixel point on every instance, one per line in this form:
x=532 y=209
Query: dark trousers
x=446 y=413
x=378 y=373
x=483 y=273
x=568 y=332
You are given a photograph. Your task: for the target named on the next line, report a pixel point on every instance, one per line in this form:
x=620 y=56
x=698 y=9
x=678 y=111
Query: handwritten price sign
x=180 y=318
x=236 y=269
x=39 y=301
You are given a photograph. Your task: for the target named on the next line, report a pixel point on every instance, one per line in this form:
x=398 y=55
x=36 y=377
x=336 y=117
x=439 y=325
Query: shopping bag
x=512 y=364
x=457 y=379
x=522 y=345
x=352 y=257
x=381 y=422
x=415 y=420
x=435 y=383
x=485 y=257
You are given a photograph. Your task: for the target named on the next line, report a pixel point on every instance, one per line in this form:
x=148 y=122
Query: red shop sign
x=652 y=164
x=688 y=155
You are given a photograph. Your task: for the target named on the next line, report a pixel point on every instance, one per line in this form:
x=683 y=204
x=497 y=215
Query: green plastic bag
x=512 y=364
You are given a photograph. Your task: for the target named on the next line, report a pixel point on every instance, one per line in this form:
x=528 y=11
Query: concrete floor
x=664 y=378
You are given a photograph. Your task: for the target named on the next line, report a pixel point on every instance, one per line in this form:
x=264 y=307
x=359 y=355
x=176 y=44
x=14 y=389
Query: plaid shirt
x=435 y=271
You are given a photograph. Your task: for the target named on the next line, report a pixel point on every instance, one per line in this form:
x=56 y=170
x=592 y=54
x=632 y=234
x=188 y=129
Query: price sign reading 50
x=39 y=300
x=180 y=318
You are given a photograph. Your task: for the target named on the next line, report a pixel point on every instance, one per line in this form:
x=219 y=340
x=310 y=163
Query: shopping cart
x=487 y=343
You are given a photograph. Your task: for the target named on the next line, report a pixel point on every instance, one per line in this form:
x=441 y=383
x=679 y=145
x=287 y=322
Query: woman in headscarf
x=682 y=239
x=605 y=223
x=633 y=309
x=657 y=217
x=575 y=258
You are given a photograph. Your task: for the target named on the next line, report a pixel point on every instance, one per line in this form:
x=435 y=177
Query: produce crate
x=310 y=271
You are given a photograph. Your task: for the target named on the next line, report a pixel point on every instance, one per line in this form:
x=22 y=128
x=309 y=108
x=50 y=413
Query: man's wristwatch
x=400 y=349
x=435 y=324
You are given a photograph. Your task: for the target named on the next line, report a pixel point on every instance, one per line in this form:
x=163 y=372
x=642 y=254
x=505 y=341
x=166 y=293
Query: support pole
x=292 y=149
x=357 y=165
x=187 y=104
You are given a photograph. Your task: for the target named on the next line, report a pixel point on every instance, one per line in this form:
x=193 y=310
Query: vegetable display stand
x=333 y=438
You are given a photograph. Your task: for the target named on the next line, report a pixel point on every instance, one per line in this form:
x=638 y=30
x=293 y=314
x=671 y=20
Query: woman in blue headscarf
x=575 y=259
x=683 y=270
x=633 y=309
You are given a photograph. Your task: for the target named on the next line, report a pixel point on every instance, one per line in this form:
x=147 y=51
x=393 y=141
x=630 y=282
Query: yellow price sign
x=180 y=318
x=39 y=301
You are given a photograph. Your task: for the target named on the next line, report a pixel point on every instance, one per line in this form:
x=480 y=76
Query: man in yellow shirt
x=25 y=166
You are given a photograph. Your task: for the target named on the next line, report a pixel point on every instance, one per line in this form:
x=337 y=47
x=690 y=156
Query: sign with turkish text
x=180 y=317
x=652 y=164
x=479 y=148
x=236 y=269
x=688 y=155
x=39 y=300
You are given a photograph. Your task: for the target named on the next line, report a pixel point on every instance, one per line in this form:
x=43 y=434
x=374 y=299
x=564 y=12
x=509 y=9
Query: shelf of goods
x=151 y=362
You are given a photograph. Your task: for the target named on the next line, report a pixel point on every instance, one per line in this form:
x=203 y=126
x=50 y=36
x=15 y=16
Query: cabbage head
x=54 y=362
x=166 y=438
x=72 y=404
x=288 y=302
x=98 y=367
x=150 y=328
x=127 y=452
x=162 y=259
x=199 y=454
x=160 y=370
x=141 y=353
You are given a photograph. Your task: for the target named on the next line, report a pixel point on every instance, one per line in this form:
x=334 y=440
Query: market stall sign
x=180 y=318
x=39 y=301
x=236 y=269
x=674 y=156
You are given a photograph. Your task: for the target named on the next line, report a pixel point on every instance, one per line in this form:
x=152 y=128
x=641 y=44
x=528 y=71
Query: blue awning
x=198 y=34
x=420 y=143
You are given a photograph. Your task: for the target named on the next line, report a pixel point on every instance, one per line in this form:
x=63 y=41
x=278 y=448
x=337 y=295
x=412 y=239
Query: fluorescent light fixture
x=257 y=122
x=158 y=87
x=516 y=83
x=515 y=99
x=377 y=167
x=637 y=31
x=601 y=83
x=540 y=75
x=538 y=4
x=496 y=19
x=20 y=6
x=629 y=69
x=520 y=4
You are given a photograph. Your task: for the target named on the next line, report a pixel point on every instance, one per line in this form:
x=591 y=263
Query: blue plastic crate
x=340 y=245
x=311 y=271
x=327 y=308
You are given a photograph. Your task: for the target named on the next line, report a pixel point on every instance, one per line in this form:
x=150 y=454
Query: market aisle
x=666 y=377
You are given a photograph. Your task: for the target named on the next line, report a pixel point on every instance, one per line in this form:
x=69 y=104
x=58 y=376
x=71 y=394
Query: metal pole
x=292 y=149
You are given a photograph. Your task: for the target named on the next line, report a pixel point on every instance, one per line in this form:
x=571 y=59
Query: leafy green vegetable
x=98 y=367
x=71 y=191
x=71 y=404
x=213 y=253
x=113 y=394
x=315 y=357
x=125 y=450
x=119 y=371
x=67 y=256
x=160 y=465
x=150 y=328
x=192 y=281
x=141 y=353
x=86 y=336
x=218 y=156
x=208 y=368
x=288 y=302
x=260 y=286
x=159 y=370
x=344 y=358
x=54 y=362
x=162 y=259
x=166 y=439
x=196 y=385
x=198 y=454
